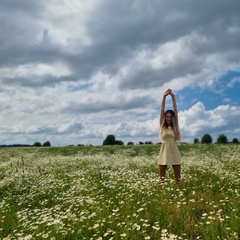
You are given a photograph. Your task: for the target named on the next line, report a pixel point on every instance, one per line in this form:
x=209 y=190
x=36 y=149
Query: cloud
x=233 y=82
x=111 y=104
x=196 y=121
x=78 y=70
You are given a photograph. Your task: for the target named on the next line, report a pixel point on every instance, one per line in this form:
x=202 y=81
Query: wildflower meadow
x=112 y=192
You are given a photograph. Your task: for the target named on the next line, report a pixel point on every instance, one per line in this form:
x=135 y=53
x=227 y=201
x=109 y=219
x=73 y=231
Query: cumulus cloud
x=74 y=71
x=196 y=121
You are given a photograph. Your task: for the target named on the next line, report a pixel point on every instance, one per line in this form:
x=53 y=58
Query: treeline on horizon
x=111 y=140
x=206 y=138
x=36 y=144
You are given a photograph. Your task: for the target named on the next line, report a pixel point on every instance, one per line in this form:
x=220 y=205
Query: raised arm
x=163 y=105
x=174 y=105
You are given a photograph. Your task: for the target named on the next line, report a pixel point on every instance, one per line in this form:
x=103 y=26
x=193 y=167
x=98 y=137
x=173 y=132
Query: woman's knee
x=177 y=170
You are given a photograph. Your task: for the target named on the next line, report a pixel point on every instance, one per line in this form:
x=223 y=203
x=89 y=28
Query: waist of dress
x=169 y=141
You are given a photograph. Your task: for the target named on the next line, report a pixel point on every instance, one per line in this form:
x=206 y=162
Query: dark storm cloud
x=53 y=130
x=118 y=30
x=61 y=60
x=15 y=6
x=44 y=130
x=18 y=29
x=34 y=81
x=151 y=78
x=132 y=25
x=101 y=106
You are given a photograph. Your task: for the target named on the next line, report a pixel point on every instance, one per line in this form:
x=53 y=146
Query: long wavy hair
x=174 y=125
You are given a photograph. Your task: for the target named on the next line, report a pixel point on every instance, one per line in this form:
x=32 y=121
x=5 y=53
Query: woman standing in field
x=170 y=134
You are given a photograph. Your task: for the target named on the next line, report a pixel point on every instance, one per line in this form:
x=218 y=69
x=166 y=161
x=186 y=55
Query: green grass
x=111 y=192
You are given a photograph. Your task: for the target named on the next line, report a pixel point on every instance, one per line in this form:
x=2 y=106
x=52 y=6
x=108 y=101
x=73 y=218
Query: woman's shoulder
x=162 y=129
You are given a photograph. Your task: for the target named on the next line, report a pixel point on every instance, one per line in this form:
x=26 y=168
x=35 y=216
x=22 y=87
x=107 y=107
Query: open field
x=111 y=192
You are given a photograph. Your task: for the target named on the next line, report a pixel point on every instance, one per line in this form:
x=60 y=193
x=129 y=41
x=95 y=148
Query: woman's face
x=169 y=118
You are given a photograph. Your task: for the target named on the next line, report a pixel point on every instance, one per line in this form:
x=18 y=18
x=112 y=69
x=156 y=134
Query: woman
x=170 y=134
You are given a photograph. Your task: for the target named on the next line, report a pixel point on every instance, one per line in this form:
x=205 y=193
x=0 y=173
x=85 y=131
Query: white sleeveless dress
x=169 y=152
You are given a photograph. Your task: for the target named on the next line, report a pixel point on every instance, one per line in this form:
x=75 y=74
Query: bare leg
x=162 y=172
x=177 y=173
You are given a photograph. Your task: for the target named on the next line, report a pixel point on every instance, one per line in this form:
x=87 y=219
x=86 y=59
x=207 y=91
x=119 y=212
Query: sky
x=73 y=71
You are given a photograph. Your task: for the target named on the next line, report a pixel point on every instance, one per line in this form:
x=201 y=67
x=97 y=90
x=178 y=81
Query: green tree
x=206 y=138
x=222 y=139
x=110 y=140
x=37 y=144
x=235 y=140
x=130 y=143
x=119 y=142
x=47 y=144
x=196 y=140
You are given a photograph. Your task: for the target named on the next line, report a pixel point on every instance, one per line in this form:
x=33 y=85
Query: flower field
x=112 y=192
